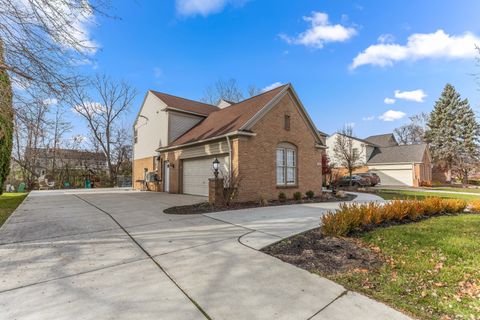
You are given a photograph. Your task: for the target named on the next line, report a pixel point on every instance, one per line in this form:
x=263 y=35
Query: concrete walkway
x=116 y=255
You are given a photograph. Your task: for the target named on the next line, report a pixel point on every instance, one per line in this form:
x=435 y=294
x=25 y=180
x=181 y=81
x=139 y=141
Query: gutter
x=229 y=156
x=230 y=134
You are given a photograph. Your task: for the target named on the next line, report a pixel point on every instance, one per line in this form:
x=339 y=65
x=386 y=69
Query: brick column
x=215 y=191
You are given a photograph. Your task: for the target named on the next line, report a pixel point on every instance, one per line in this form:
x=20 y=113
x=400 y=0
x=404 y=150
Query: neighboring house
x=268 y=142
x=397 y=165
x=47 y=158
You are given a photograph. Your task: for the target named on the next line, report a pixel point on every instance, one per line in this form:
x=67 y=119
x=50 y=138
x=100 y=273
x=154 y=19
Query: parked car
x=373 y=177
x=357 y=181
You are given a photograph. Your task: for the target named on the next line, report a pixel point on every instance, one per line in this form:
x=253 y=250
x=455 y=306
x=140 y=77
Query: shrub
x=310 y=194
x=297 y=196
x=474 y=206
x=282 y=197
x=356 y=217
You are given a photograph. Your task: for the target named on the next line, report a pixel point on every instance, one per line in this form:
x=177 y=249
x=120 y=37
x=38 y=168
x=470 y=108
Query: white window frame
x=285 y=165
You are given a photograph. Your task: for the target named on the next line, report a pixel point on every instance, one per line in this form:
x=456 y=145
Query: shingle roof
x=229 y=119
x=383 y=140
x=185 y=104
x=398 y=154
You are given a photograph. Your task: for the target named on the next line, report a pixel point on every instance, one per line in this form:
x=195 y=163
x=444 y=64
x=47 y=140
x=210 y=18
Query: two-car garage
x=394 y=175
x=197 y=171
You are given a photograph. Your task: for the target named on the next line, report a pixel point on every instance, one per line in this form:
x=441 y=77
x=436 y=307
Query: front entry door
x=166 y=176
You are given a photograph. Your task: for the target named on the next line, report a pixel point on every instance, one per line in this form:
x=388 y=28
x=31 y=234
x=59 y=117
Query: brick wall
x=254 y=158
x=139 y=166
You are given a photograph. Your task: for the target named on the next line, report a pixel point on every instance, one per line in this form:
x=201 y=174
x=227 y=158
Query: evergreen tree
x=6 y=123
x=453 y=133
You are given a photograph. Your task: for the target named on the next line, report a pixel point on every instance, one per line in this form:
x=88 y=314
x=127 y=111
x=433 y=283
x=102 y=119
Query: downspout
x=229 y=156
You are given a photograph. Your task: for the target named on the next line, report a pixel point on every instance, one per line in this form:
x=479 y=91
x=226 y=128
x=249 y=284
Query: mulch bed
x=205 y=207
x=326 y=255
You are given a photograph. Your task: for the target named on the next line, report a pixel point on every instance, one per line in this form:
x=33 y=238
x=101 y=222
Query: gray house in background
x=396 y=165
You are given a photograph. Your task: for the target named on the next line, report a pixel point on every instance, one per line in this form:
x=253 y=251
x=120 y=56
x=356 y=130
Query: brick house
x=268 y=142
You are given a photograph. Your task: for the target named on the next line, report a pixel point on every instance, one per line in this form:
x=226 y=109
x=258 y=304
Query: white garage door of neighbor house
x=196 y=173
x=395 y=177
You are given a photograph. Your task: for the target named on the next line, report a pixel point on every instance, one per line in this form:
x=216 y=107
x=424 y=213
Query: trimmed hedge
x=359 y=217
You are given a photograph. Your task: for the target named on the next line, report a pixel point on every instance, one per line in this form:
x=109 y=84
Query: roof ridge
x=406 y=145
x=260 y=94
x=171 y=95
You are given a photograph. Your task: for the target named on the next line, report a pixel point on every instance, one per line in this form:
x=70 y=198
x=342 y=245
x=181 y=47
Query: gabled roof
x=355 y=138
x=383 y=140
x=185 y=105
x=398 y=154
x=229 y=119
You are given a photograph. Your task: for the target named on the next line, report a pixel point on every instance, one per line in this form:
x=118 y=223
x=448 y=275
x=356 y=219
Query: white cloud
x=419 y=46
x=157 y=72
x=392 y=115
x=272 y=86
x=369 y=118
x=415 y=95
x=320 y=32
x=50 y=102
x=386 y=38
x=203 y=7
x=389 y=101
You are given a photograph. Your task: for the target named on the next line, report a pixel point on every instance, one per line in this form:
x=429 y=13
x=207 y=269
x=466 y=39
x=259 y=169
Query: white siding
x=356 y=144
x=196 y=173
x=151 y=133
x=180 y=123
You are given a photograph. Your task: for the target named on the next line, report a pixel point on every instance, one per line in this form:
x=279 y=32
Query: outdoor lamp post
x=216 y=165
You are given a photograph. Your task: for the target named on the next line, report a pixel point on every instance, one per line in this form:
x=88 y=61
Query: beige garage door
x=196 y=173
x=395 y=177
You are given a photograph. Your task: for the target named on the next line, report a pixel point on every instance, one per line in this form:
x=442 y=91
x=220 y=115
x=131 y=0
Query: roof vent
x=222 y=104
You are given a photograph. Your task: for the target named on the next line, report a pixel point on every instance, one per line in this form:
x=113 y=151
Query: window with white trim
x=286 y=165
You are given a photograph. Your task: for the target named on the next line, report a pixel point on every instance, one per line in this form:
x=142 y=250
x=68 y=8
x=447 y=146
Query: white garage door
x=395 y=177
x=196 y=173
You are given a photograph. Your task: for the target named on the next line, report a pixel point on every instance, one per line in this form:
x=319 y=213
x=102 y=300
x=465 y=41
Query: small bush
x=310 y=194
x=297 y=196
x=356 y=217
x=282 y=197
x=474 y=206
x=262 y=201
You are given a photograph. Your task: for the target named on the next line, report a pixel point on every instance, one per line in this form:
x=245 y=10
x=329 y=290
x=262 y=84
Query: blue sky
x=182 y=46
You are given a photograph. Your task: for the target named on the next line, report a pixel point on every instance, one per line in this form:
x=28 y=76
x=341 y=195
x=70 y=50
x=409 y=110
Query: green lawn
x=388 y=194
x=470 y=190
x=432 y=269
x=8 y=203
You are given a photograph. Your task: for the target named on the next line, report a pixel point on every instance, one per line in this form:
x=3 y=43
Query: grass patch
x=452 y=189
x=420 y=195
x=431 y=270
x=8 y=203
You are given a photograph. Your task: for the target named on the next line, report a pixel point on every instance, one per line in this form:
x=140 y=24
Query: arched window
x=286 y=164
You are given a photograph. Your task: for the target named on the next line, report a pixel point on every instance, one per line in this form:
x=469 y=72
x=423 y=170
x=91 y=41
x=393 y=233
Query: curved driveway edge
x=64 y=257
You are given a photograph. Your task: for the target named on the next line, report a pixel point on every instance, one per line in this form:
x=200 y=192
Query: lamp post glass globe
x=216 y=165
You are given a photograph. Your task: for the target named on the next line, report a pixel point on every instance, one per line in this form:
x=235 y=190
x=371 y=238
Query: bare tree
x=45 y=40
x=253 y=90
x=345 y=153
x=413 y=132
x=223 y=89
x=30 y=135
x=59 y=127
x=104 y=117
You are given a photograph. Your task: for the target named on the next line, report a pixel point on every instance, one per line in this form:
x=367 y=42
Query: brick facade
x=254 y=158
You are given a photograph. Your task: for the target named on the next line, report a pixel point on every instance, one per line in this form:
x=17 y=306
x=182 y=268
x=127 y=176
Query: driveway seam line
x=151 y=258
x=72 y=275
x=326 y=306
x=240 y=226
x=192 y=247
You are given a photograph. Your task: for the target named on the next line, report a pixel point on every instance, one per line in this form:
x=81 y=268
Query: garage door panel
x=395 y=177
x=196 y=173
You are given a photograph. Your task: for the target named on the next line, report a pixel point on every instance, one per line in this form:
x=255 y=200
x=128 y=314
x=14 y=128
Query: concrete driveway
x=116 y=255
